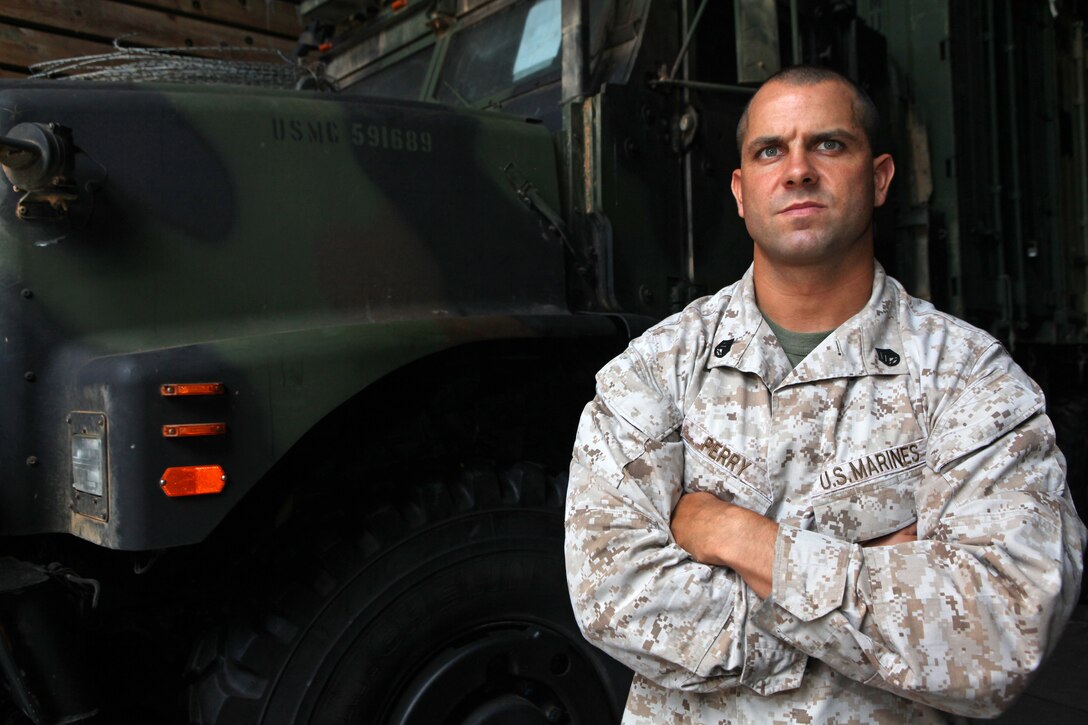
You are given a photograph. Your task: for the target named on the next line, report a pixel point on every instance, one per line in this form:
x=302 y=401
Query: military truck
x=292 y=374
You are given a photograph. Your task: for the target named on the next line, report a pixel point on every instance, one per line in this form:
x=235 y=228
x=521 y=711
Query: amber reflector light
x=193 y=480
x=172 y=389
x=184 y=430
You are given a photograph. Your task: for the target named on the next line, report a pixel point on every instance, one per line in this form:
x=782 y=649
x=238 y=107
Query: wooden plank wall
x=32 y=31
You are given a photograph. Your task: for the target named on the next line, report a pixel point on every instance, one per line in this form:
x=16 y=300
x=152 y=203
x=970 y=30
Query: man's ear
x=737 y=193
x=883 y=171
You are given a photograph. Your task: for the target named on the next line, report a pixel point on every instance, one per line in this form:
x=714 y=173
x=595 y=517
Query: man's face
x=808 y=182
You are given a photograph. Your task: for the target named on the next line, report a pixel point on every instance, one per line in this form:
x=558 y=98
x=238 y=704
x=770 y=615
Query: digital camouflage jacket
x=902 y=413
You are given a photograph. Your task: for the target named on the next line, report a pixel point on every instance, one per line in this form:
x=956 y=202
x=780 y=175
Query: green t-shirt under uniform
x=796 y=344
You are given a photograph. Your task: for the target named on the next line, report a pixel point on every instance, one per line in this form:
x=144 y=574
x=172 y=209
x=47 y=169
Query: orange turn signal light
x=171 y=389
x=399 y=5
x=193 y=480
x=186 y=430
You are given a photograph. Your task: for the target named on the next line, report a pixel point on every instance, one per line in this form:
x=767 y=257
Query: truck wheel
x=451 y=608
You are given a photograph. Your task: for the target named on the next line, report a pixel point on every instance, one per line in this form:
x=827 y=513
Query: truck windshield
x=503 y=54
x=491 y=57
x=515 y=46
x=403 y=79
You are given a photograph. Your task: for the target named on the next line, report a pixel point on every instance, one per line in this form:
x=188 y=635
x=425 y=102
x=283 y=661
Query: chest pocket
x=868 y=509
x=724 y=469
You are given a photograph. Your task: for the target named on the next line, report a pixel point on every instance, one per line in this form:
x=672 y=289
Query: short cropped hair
x=809 y=75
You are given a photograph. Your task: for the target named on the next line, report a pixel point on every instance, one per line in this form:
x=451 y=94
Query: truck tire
x=451 y=608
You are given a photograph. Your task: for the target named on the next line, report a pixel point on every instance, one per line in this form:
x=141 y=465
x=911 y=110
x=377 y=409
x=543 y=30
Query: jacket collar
x=869 y=343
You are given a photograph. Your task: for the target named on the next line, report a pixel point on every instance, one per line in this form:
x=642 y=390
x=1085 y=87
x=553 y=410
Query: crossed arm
x=957 y=618
x=718 y=533
x=643 y=591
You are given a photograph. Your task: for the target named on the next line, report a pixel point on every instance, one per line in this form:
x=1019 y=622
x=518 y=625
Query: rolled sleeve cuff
x=808 y=608
x=810 y=572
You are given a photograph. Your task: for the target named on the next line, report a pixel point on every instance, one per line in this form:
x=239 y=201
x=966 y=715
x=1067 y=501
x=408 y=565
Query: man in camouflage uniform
x=875 y=531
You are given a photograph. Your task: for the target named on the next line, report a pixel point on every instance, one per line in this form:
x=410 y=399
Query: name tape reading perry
x=717 y=451
x=897 y=458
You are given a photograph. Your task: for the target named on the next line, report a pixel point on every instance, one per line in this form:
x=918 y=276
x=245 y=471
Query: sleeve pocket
x=629 y=391
x=986 y=411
